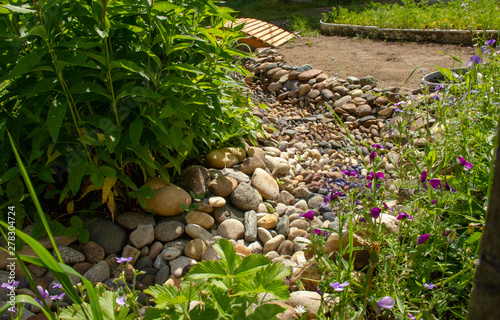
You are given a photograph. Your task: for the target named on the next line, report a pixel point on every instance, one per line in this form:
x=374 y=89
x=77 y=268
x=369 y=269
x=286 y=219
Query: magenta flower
x=362 y=220
x=435 y=183
x=339 y=287
x=317 y=231
x=326 y=234
x=373 y=154
x=123 y=259
x=369 y=177
x=412 y=317
x=375 y=212
x=57 y=297
x=121 y=301
x=434 y=201
x=423 y=177
x=333 y=195
x=386 y=303
x=350 y=173
x=387 y=207
x=358 y=202
x=446 y=232
x=403 y=215
x=307 y=215
x=379 y=175
x=423 y=238
x=467 y=165
x=378 y=146
x=448 y=188
x=429 y=286
x=318 y=290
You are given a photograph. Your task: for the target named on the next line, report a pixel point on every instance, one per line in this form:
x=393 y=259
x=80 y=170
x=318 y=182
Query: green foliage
x=228 y=288
x=474 y=15
x=99 y=96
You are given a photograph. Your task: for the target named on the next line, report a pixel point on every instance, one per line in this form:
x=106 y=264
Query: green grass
x=473 y=15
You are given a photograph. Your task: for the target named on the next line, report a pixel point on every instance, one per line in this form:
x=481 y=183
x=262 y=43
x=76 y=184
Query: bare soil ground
x=389 y=62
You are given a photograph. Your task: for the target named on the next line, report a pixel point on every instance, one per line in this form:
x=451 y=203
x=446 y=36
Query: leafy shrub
x=99 y=95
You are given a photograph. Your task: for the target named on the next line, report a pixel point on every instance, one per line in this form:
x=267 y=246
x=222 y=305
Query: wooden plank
x=283 y=41
x=261 y=33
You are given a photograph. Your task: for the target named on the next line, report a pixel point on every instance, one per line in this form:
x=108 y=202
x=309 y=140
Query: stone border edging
x=448 y=36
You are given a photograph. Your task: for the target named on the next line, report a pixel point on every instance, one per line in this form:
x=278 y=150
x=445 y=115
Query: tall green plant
x=99 y=95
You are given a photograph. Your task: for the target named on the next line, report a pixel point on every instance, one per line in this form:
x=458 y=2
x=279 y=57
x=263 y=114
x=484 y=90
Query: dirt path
x=390 y=63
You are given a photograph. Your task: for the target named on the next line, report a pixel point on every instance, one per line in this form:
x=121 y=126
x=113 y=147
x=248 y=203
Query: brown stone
x=93 y=252
x=201 y=218
x=223 y=186
x=309 y=74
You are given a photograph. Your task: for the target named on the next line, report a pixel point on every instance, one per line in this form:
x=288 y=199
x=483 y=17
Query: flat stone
x=268 y=221
x=142 y=236
x=98 y=273
x=201 y=218
x=250 y=224
x=309 y=74
x=198 y=232
x=229 y=211
x=177 y=265
x=168 y=230
x=170 y=253
x=69 y=255
x=249 y=165
x=93 y=252
x=264 y=235
x=264 y=183
x=131 y=220
x=167 y=200
x=194 y=179
x=195 y=249
x=223 y=186
x=273 y=244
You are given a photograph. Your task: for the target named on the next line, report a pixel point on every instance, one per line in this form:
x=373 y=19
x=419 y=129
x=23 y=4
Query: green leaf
x=18 y=9
x=15 y=188
x=76 y=222
x=107 y=171
x=183 y=67
x=266 y=311
x=97 y=179
x=56 y=227
x=177 y=136
x=227 y=254
x=38 y=231
x=251 y=264
x=474 y=237
x=89 y=87
x=71 y=232
x=84 y=236
x=162 y=7
x=201 y=313
x=135 y=131
x=128 y=65
x=208 y=269
x=102 y=33
x=39 y=31
x=138 y=91
x=55 y=117
x=26 y=63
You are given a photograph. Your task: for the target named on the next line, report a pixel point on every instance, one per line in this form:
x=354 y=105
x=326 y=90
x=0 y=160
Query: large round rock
x=264 y=183
x=231 y=229
x=245 y=197
x=167 y=199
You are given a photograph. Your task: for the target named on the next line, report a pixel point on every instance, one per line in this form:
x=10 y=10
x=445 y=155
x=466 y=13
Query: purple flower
x=412 y=317
x=379 y=175
x=438 y=87
x=56 y=285
x=386 y=303
x=318 y=290
x=369 y=177
x=317 y=231
x=423 y=238
x=123 y=259
x=446 y=232
x=11 y=286
x=403 y=215
x=43 y=293
x=435 y=183
x=434 y=201
x=12 y=309
x=378 y=146
x=326 y=234
x=490 y=42
x=350 y=173
x=486 y=48
x=121 y=301
x=358 y=202
x=397 y=110
x=362 y=220
x=475 y=59
x=307 y=215
x=57 y=297
x=373 y=154
x=448 y=188
x=375 y=212
x=429 y=286
x=467 y=165
x=339 y=287
x=327 y=199
x=423 y=177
